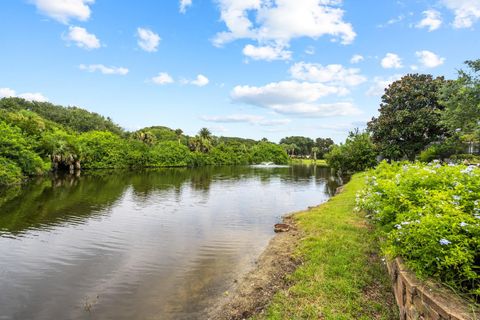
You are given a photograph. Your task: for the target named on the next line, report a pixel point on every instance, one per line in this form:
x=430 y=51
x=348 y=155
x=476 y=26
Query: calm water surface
x=160 y=244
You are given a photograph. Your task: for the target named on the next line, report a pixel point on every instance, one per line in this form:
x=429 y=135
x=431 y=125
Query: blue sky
x=249 y=68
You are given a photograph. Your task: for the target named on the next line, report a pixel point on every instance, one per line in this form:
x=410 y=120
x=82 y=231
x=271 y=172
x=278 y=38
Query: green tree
x=204 y=133
x=77 y=119
x=461 y=99
x=303 y=145
x=103 y=150
x=409 y=117
x=356 y=154
x=269 y=152
x=179 y=133
x=315 y=150
x=14 y=147
x=323 y=144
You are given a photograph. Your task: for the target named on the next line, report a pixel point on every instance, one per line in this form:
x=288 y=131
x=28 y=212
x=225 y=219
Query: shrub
x=101 y=149
x=471 y=158
x=10 y=173
x=168 y=154
x=430 y=216
x=15 y=147
x=441 y=151
x=357 y=154
x=269 y=152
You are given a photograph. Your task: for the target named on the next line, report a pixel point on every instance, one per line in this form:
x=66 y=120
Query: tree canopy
x=409 y=118
x=32 y=143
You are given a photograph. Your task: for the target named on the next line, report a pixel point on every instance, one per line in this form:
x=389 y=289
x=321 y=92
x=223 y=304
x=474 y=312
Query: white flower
x=444 y=242
x=468 y=170
x=398 y=226
x=463 y=224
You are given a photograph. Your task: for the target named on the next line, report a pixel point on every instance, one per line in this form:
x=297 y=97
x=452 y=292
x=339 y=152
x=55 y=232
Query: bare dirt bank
x=253 y=292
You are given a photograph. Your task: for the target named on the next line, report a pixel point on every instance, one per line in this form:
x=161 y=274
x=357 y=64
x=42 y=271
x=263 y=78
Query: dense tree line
x=420 y=117
x=36 y=138
x=306 y=147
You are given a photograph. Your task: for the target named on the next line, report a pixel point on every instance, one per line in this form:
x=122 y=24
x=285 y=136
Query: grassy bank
x=342 y=275
x=319 y=162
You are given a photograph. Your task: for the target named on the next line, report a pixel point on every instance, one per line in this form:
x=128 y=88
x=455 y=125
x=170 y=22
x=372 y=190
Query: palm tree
x=293 y=146
x=315 y=150
x=199 y=144
x=179 y=133
x=205 y=134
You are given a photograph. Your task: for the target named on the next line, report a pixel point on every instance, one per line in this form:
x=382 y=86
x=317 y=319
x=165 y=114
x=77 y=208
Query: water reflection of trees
x=60 y=199
x=46 y=202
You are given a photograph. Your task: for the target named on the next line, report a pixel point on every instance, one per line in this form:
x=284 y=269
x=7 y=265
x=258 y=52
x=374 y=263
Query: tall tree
x=179 y=133
x=315 y=150
x=303 y=144
x=409 y=117
x=323 y=145
x=461 y=99
x=205 y=134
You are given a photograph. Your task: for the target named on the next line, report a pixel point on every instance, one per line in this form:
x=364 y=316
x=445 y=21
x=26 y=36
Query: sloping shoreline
x=327 y=266
x=254 y=291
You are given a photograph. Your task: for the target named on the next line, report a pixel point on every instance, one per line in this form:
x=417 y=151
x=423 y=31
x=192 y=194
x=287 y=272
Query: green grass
x=342 y=275
x=319 y=162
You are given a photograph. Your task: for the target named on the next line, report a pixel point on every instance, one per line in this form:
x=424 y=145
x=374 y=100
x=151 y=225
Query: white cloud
x=7 y=93
x=295 y=98
x=82 y=38
x=429 y=59
x=310 y=50
x=391 y=60
x=380 y=84
x=64 y=10
x=334 y=74
x=148 y=40
x=33 y=96
x=104 y=69
x=432 y=20
x=30 y=96
x=268 y=53
x=392 y=21
x=246 y=118
x=162 y=78
x=356 y=59
x=467 y=12
x=276 y=22
x=218 y=129
x=184 y=4
x=200 y=81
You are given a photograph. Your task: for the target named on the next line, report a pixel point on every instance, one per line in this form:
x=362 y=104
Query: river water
x=156 y=244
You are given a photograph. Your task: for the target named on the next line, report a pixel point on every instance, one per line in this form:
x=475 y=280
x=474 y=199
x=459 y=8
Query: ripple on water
x=159 y=244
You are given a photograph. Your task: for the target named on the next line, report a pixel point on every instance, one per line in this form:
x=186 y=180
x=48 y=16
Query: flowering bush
x=430 y=216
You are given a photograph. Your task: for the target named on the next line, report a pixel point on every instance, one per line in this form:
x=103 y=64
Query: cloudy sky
x=250 y=68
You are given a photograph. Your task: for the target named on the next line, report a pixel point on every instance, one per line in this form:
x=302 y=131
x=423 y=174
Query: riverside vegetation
x=428 y=211
x=429 y=214
x=37 y=137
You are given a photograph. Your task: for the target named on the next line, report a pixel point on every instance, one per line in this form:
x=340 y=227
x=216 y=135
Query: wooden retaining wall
x=426 y=300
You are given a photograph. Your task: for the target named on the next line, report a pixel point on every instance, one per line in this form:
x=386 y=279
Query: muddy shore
x=252 y=293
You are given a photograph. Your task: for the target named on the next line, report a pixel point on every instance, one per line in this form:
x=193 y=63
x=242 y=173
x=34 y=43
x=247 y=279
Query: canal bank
x=328 y=267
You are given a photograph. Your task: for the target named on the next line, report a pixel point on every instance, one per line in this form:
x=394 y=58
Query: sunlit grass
x=318 y=162
x=342 y=275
